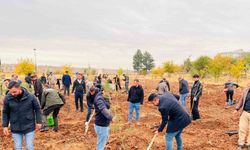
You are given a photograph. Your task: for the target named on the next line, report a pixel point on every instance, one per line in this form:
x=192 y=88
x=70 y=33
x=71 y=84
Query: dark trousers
x=39 y=98
x=229 y=94
x=55 y=109
x=195 y=108
x=66 y=90
x=118 y=87
x=79 y=97
x=89 y=113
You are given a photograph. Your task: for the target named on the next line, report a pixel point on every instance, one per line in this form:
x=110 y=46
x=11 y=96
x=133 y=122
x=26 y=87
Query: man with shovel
x=172 y=114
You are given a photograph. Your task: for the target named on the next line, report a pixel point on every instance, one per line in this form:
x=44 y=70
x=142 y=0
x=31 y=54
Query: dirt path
x=208 y=134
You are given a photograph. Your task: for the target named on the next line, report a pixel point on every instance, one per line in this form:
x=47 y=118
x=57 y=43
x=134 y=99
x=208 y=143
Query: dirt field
x=208 y=134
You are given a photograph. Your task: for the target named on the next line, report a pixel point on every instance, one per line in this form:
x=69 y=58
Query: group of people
x=27 y=106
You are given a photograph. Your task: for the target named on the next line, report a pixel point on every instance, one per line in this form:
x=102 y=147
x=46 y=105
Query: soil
x=206 y=134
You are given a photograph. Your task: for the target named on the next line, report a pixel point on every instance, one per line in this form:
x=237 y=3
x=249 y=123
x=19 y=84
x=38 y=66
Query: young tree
x=237 y=69
x=138 y=61
x=158 y=72
x=187 y=66
x=218 y=65
x=24 y=66
x=148 y=61
x=201 y=65
x=120 y=71
x=170 y=67
x=66 y=67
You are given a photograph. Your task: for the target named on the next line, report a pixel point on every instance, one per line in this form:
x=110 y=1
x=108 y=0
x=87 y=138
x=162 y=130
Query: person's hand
x=195 y=99
x=6 y=131
x=235 y=112
x=38 y=126
x=157 y=132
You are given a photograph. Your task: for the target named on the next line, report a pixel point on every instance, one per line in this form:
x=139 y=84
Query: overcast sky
x=107 y=33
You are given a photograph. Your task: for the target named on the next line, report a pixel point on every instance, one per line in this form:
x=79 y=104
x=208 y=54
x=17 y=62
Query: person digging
x=172 y=114
x=51 y=102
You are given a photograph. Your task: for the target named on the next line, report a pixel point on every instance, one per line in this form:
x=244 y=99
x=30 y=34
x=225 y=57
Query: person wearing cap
x=93 y=91
x=183 y=89
x=135 y=98
x=102 y=118
x=51 y=103
x=172 y=114
x=66 y=81
x=196 y=93
x=243 y=108
x=79 y=87
x=22 y=111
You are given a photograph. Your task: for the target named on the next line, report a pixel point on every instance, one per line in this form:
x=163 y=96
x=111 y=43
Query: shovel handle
x=152 y=141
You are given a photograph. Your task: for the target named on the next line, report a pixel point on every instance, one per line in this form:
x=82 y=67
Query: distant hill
x=236 y=54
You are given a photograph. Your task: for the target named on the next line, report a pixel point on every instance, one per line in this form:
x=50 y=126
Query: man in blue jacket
x=183 y=89
x=172 y=114
x=66 y=80
x=102 y=120
x=22 y=111
x=135 y=98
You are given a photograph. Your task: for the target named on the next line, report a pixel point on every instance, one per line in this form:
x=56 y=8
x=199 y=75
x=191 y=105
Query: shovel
x=87 y=125
x=152 y=141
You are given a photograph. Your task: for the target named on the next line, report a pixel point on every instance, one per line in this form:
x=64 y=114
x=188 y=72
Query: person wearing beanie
x=172 y=114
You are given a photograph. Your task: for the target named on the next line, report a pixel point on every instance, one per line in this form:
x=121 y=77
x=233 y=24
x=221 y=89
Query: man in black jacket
x=23 y=112
x=102 y=120
x=196 y=93
x=80 y=88
x=38 y=87
x=172 y=114
x=93 y=91
x=135 y=98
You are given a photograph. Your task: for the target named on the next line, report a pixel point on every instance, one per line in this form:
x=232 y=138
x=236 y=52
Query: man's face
x=136 y=83
x=196 y=79
x=6 y=83
x=92 y=93
x=156 y=101
x=15 y=91
x=79 y=77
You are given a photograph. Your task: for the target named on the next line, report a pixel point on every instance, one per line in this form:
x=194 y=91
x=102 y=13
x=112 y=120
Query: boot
x=55 y=125
x=45 y=124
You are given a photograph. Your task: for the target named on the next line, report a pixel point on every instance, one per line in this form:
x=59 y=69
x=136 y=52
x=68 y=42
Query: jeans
x=102 y=136
x=79 y=97
x=88 y=113
x=133 y=106
x=169 y=140
x=229 y=95
x=183 y=99
x=29 y=139
x=66 y=90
